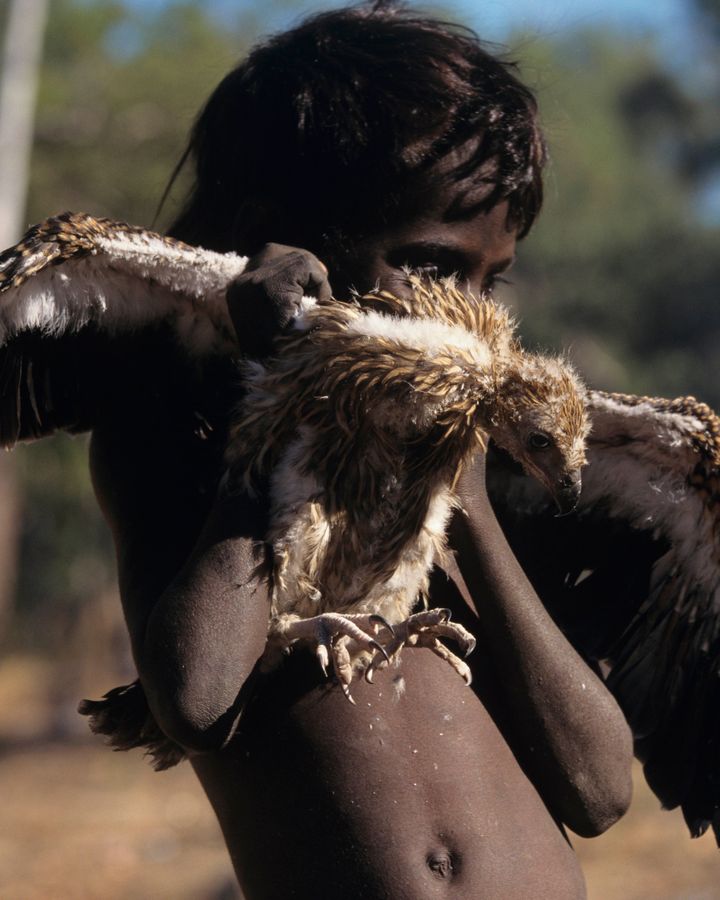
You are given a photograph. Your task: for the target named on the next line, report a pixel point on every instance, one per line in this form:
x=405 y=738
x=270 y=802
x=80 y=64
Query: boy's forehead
x=455 y=214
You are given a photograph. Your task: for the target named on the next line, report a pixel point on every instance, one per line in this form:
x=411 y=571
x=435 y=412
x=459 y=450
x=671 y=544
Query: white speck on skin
x=414 y=751
x=441 y=733
x=435 y=766
x=583 y=686
x=371 y=726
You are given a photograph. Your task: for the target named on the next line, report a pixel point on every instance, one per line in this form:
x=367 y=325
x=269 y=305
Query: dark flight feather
x=633 y=578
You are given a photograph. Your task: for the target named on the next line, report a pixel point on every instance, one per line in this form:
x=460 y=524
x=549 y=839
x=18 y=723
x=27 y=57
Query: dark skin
x=441 y=790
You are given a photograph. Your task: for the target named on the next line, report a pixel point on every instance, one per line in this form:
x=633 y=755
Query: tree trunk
x=21 y=60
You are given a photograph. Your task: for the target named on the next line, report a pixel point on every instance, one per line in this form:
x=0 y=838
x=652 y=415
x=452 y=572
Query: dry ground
x=82 y=823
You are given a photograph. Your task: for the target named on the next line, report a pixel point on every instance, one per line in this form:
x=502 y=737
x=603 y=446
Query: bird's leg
x=423 y=630
x=332 y=635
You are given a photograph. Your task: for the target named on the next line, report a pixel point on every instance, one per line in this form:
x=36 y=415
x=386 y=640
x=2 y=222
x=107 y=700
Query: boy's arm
x=207 y=630
x=563 y=725
x=196 y=610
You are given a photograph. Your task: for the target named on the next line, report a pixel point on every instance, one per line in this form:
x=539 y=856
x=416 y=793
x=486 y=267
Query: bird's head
x=542 y=423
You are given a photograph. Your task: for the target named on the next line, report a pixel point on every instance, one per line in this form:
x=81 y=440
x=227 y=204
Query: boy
x=376 y=140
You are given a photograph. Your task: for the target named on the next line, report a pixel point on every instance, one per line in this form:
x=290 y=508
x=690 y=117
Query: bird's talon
x=346 y=691
x=322 y=657
x=376 y=619
x=380 y=649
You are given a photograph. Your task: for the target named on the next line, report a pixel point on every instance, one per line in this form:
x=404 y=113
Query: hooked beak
x=567 y=493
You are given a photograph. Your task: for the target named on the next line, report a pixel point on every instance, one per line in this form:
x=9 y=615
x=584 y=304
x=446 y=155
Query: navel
x=442 y=863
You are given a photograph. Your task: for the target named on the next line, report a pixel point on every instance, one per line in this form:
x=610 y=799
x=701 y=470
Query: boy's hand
x=267 y=295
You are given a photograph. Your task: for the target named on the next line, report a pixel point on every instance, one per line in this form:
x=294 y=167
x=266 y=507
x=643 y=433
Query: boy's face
x=443 y=233
x=477 y=249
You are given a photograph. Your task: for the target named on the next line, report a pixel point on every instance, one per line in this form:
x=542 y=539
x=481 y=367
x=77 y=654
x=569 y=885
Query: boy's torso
x=405 y=795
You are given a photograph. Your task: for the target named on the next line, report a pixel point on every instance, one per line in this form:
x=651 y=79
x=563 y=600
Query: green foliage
x=66 y=550
x=621 y=267
x=118 y=94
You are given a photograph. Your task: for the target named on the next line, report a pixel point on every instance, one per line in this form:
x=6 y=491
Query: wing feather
x=633 y=577
x=71 y=287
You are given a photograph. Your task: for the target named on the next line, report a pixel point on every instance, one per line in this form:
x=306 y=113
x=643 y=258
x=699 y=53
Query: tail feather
x=124 y=718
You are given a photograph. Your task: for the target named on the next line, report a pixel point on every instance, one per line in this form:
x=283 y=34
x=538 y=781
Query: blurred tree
x=24 y=28
x=622 y=266
x=710 y=11
x=119 y=89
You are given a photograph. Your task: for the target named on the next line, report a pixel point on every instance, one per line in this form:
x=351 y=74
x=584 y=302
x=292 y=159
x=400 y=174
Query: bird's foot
x=336 y=638
x=423 y=629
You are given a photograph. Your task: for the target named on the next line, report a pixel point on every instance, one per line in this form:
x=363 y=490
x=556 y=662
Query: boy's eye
x=437 y=270
x=433 y=260
x=428 y=268
x=492 y=281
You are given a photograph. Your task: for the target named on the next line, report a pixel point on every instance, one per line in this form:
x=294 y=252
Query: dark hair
x=322 y=129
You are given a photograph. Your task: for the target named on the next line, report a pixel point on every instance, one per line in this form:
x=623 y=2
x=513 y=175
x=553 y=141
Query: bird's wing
x=633 y=577
x=76 y=282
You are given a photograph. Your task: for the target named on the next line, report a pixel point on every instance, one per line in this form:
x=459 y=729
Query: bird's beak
x=567 y=492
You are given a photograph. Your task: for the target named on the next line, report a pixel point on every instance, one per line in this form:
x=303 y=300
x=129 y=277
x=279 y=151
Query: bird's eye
x=538 y=440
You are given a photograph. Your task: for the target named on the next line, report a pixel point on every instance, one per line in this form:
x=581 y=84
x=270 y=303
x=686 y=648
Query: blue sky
x=553 y=16
x=494 y=19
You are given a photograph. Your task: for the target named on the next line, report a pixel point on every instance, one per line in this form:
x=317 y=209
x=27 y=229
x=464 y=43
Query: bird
x=633 y=578
x=631 y=575
x=76 y=276
x=74 y=271
x=361 y=420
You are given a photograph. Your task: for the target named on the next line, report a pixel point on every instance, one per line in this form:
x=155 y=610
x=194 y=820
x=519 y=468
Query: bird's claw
x=334 y=636
x=380 y=649
x=424 y=630
x=377 y=619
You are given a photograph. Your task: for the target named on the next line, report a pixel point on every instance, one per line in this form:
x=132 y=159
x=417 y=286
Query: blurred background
x=623 y=269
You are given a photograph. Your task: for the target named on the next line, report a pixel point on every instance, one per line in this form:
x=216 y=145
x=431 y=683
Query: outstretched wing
x=633 y=577
x=73 y=284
